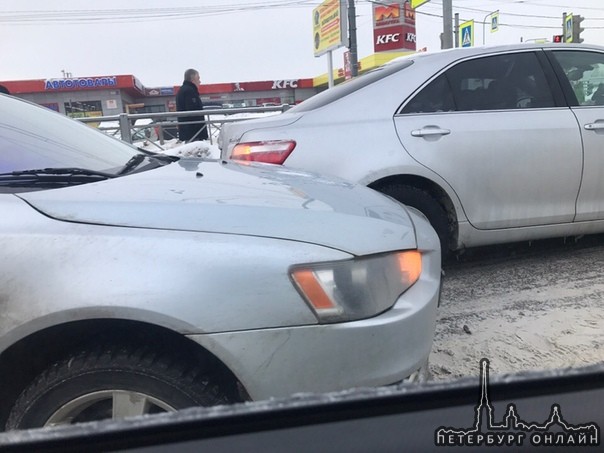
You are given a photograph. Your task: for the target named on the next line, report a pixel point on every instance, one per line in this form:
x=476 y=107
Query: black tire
x=424 y=202
x=81 y=387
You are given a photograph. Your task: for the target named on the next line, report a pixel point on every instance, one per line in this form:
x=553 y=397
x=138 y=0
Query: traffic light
x=577 y=29
x=558 y=38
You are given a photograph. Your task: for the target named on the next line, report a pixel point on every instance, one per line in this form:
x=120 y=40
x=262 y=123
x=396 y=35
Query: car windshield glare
x=54 y=142
x=355 y=84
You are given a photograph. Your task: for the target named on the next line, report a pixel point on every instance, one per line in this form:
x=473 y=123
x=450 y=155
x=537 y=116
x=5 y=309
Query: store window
x=158 y=108
x=83 y=109
x=52 y=106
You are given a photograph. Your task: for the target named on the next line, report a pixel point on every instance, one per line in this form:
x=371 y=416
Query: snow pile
x=174 y=147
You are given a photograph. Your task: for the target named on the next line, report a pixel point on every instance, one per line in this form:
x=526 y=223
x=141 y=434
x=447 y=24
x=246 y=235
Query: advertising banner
x=329 y=26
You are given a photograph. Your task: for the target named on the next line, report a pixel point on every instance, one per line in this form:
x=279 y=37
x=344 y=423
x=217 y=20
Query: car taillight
x=270 y=152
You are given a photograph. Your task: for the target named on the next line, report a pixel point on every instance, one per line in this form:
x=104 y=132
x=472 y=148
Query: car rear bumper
x=378 y=351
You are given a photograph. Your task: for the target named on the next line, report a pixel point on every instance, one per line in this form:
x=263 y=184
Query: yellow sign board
x=329 y=26
x=416 y=3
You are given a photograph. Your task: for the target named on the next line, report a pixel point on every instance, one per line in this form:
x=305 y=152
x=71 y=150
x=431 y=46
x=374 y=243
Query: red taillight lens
x=270 y=152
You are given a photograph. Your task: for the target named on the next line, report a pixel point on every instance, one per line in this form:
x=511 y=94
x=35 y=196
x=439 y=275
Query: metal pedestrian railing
x=160 y=128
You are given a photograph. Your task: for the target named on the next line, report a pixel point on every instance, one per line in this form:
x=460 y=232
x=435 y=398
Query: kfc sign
x=385 y=39
x=394 y=38
x=281 y=84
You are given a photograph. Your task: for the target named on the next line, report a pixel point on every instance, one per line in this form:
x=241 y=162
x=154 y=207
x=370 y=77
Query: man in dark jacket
x=188 y=99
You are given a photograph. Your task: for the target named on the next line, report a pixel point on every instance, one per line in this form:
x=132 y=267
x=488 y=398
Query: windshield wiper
x=136 y=160
x=53 y=177
x=60 y=171
x=161 y=157
x=132 y=164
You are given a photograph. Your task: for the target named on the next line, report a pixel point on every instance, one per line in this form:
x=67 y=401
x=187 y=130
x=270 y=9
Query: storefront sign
x=393 y=26
x=74 y=84
x=281 y=84
x=394 y=38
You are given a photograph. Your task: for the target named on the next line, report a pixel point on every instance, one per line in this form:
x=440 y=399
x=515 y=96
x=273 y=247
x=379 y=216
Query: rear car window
x=346 y=88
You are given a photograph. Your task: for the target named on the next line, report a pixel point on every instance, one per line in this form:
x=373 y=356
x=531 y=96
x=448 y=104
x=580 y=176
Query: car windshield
x=55 y=142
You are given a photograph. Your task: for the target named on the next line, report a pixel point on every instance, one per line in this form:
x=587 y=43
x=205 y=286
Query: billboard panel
x=329 y=26
x=393 y=26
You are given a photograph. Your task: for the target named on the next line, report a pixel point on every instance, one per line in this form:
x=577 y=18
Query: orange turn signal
x=410 y=265
x=312 y=289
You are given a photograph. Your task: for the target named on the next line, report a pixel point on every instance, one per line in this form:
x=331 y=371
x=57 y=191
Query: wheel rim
x=107 y=404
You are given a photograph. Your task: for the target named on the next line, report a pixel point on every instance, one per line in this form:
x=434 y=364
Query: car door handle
x=429 y=132
x=597 y=126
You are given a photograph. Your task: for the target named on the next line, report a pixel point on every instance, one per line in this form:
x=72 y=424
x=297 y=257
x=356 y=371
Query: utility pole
x=352 y=38
x=447 y=36
x=456 y=30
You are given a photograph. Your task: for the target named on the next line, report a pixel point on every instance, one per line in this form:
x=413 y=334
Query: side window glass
x=434 y=97
x=585 y=72
x=510 y=81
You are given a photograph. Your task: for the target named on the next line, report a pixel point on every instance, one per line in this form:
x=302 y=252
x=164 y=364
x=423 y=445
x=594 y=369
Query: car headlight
x=358 y=288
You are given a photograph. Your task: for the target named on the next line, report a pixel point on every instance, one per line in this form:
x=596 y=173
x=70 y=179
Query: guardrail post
x=126 y=135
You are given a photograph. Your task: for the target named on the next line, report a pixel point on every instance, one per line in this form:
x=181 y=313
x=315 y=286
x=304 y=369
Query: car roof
x=459 y=52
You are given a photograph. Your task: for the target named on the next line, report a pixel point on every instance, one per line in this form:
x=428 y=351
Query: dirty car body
x=133 y=283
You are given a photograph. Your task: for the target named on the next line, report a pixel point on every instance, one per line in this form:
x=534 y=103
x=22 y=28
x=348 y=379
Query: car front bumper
x=378 y=351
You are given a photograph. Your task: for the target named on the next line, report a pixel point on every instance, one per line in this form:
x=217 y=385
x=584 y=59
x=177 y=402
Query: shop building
x=114 y=94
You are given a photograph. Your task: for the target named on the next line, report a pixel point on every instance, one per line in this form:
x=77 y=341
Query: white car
x=493 y=145
x=134 y=283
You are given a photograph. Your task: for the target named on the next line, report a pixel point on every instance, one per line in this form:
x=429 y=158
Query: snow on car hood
x=256 y=200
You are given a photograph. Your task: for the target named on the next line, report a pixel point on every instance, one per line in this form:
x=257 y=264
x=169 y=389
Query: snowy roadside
x=523 y=313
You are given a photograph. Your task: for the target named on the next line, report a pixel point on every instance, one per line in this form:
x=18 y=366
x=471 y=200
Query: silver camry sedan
x=492 y=144
x=134 y=283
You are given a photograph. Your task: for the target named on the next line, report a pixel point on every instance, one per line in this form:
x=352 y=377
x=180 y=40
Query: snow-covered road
x=524 y=308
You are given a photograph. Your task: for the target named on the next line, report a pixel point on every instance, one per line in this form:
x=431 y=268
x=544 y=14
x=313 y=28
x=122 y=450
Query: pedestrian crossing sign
x=494 y=21
x=466 y=34
x=568 y=28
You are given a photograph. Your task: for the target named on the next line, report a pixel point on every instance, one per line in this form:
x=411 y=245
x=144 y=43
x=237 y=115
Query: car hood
x=231 y=198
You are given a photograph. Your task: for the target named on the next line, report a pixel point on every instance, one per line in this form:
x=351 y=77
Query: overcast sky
x=230 y=40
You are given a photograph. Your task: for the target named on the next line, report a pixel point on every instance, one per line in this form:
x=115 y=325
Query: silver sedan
x=134 y=283
x=493 y=145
